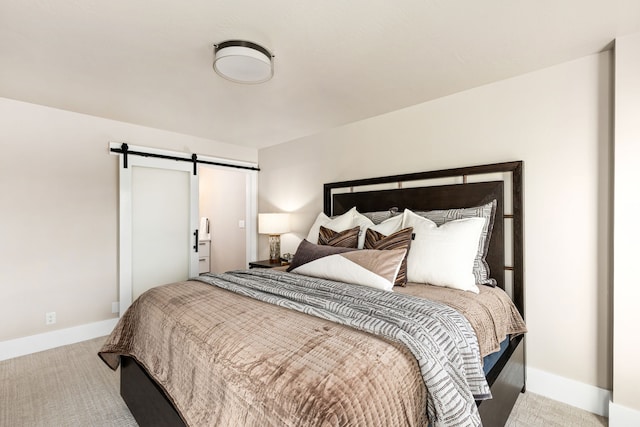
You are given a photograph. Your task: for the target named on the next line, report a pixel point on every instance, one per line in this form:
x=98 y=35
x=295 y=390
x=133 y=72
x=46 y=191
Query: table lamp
x=273 y=224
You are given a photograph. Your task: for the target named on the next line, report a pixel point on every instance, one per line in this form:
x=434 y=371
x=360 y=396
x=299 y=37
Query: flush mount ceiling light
x=243 y=62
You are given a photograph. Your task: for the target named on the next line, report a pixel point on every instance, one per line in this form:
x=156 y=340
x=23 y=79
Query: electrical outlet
x=241 y=223
x=115 y=307
x=50 y=318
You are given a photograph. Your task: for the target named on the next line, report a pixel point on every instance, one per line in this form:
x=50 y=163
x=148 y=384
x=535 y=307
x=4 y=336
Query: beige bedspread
x=492 y=314
x=229 y=360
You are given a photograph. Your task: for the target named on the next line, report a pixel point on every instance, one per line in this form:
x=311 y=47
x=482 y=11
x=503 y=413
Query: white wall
x=626 y=339
x=558 y=120
x=58 y=212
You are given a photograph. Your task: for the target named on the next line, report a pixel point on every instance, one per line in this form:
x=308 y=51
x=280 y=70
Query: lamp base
x=274 y=248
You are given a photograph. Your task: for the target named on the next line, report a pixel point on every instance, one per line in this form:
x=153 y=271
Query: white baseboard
x=574 y=393
x=35 y=343
x=622 y=416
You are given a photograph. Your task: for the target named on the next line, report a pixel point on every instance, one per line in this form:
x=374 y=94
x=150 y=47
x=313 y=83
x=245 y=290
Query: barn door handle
x=195 y=247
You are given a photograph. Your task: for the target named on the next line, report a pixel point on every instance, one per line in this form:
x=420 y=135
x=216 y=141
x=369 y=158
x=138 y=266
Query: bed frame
x=507 y=377
x=151 y=407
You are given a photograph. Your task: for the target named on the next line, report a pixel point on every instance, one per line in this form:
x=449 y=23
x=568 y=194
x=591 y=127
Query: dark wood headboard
x=339 y=197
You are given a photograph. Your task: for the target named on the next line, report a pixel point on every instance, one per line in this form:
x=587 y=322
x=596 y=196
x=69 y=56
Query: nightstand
x=265 y=263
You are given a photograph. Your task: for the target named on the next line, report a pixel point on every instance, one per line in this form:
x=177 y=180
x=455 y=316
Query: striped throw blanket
x=441 y=339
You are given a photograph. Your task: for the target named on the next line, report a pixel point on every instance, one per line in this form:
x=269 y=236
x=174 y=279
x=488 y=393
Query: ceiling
x=336 y=61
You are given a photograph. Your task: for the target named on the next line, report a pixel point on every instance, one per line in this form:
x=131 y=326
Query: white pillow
x=443 y=256
x=363 y=222
x=339 y=223
x=389 y=226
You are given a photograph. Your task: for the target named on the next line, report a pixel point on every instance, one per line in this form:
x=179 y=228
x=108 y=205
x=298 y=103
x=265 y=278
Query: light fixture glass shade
x=243 y=62
x=273 y=223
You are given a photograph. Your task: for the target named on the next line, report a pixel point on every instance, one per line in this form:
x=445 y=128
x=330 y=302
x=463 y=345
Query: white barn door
x=158 y=221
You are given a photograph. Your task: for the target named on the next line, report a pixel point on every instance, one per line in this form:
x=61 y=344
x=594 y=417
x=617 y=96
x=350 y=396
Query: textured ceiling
x=336 y=61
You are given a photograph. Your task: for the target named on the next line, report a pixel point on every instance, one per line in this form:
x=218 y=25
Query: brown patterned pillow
x=342 y=239
x=398 y=240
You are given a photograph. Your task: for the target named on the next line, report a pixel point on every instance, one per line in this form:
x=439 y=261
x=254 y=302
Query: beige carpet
x=70 y=386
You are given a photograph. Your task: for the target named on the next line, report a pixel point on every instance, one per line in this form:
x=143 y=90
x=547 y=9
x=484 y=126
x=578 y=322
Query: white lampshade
x=273 y=223
x=243 y=62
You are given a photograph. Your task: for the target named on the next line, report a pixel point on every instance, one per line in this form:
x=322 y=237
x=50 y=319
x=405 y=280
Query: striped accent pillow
x=342 y=239
x=381 y=216
x=398 y=240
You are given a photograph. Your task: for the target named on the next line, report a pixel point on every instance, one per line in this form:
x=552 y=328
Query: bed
x=290 y=368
